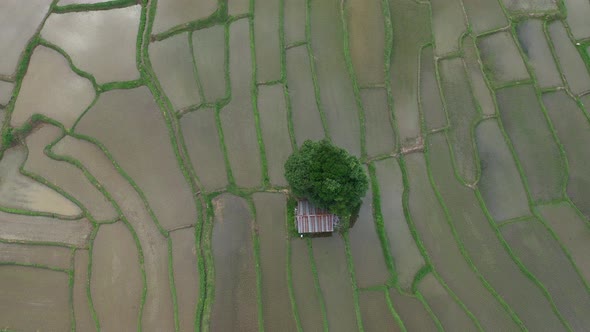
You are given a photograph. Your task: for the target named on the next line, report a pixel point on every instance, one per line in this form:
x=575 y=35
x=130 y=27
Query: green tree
x=329 y=177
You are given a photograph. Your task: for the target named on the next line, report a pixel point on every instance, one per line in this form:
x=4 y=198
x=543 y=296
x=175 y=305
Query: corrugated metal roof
x=313 y=220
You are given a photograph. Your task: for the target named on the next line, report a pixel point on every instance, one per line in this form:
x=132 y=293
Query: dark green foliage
x=7 y=137
x=328 y=176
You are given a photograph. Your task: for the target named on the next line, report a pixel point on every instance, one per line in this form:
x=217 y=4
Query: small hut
x=310 y=219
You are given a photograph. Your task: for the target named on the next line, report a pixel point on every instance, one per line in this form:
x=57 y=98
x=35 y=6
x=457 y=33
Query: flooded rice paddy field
x=141 y=177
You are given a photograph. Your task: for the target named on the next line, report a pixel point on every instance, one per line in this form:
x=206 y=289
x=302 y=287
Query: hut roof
x=310 y=219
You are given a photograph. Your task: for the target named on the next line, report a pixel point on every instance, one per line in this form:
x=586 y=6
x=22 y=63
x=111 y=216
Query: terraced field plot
x=141 y=180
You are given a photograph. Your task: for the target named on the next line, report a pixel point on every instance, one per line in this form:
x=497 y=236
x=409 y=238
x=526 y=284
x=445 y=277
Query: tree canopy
x=327 y=176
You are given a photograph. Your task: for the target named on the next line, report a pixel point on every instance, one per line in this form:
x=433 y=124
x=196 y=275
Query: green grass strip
x=71 y=290
x=201 y=266
x=84 y=7
x=290 y=227
x=355 y=289
x=218 y=17
x=230 y=177
x=196 y=74
x=421 y=274
x=316 y=283
x=209 y=297
x=257 y=267
x=41 y=243
x=172 y=285
x=254 y=100
x=387 y=56
x=314 y=76
x=344 y=14
x=435 y=319
x=37 y=266
x=121 y=85
x=93 y=312
x=393 y=312
x=380 y=224
x=283 y=60
x=39 y=214
x=71 y=64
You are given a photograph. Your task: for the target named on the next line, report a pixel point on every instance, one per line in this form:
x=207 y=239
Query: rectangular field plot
x=572 y=230
x=276 y=304
x=121 y=280
x=543 y=256
x=586 y=99
x=447 y=310
x=50 y=256
x=571 y=126
x=172 y=12
x=23 y=228
x=484 y=15
x=500 y=183
x=578 y=12
x=407 y=44
x=266 y=37
x=572 y=66
x=307 y=122
x=407 y=257
x=172 y=60
x=367 y=253
x=336 y=93
x=375 y=312
x=294 y=21
x=531 y=6
x=501 y=58
x=5 y=92
x=237 y=118
x=23 y=193
x=444 y=251
x=186 y=275
x=238 y=7
x=448 y=24
x=430 y=98
x=307 y=299
x=84 y=321
x=275 y=131
x=366 y=39
x=201 y=139
x=41 y=294
x=53 y=90
x=413 y=313
x=235 y=305
x=533 y=142
x=335 y=282
x=209 y=50
x=462 y=112
x=533 y=42
x=481 y=90
x=483 y=245
x=379 y=131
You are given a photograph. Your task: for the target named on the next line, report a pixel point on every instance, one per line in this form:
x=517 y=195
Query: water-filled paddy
x=141 y=164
